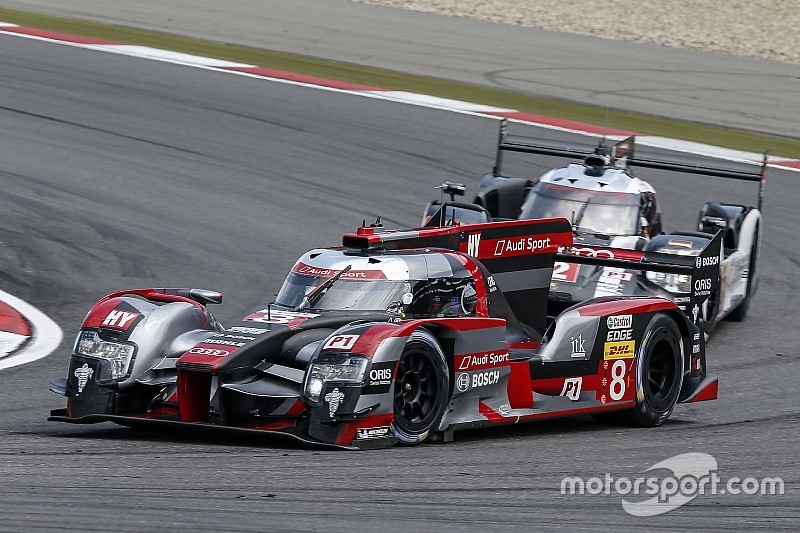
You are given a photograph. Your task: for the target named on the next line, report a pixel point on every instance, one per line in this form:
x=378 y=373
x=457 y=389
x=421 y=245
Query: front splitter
x=287 y=435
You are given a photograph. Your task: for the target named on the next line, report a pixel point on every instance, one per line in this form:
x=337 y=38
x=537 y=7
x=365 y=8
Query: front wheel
x=420 y=388
x=659 y=376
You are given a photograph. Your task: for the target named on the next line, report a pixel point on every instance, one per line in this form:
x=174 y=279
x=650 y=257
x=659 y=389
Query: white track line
x=419 y=100
x=45 y=334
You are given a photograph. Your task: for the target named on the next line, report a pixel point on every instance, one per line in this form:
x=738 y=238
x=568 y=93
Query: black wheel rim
x=416 y=390
x=660 y=374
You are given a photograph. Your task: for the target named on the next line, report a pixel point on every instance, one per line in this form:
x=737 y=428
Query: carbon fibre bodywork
x=158 y=357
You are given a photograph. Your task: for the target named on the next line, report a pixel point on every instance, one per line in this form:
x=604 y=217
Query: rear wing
x=622 y=155
x=704 y=268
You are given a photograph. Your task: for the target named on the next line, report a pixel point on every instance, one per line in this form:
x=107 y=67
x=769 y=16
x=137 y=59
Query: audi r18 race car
x=614 y=214
x=396 y=336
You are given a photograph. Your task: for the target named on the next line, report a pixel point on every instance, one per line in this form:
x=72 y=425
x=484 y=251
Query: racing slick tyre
x=739 y=314
x=659 y=376
x=421 y=388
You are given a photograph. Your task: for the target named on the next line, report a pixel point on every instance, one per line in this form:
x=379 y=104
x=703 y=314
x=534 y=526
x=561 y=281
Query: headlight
x=117 y=354
x=679 y=283
x=349 y=370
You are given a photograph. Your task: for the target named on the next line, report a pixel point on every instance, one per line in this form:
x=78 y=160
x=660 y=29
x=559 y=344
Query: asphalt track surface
x=735 y=92
x=118 y=172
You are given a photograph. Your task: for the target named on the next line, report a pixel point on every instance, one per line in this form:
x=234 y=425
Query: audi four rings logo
x=209 y=351
x=591 y=252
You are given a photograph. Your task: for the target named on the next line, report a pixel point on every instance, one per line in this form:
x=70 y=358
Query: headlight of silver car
x=117 y=354
x=676 y=283
x=350 y=369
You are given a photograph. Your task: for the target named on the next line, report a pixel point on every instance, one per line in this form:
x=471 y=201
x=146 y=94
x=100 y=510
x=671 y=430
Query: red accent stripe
x=12 y=322
x=490 y=413
x=559 y=122
x=626 y=306
x=55 y=35
x=304 y=78
x=520 y=389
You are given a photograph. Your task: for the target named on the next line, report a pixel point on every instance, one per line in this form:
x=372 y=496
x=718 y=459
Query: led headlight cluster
x=117 y=354
x=676 y=283
x=351 y=369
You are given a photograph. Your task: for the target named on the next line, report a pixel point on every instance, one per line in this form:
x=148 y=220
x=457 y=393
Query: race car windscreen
x=599 y=212
x=344 y=294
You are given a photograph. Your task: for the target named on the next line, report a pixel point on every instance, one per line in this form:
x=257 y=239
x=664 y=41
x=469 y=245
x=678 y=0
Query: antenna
x=605 y=126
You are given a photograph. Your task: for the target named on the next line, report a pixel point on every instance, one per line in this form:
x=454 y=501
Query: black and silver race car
x=395 y=336
x=615 y=214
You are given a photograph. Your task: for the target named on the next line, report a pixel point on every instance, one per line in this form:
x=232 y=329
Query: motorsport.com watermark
x=692 y=475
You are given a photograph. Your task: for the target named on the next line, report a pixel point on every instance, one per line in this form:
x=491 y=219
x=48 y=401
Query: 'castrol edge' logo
x=620 y=322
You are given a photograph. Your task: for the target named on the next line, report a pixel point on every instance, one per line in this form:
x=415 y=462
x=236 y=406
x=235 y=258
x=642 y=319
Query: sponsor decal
x=248 y=331
x=619 y=321
x=209 y=351
x=504 y=409
x=618 y=350
x=695 y=312
x=681 y=299
x=340 y=342
x=380 y=376
x=308 y=270
x=491 y=283
x=240 y=337
x=334 y=399
x=706 y=261
x=592 y=252
x=520 y=245
x=277 y=316
x=695 y=348
x=578 y=348
x=619 y=335
x=224 y=342
x=473 y=244
x=120 y=319
x=483 y=379
x=610 y=282
x=83 y=374
x=372 y=433
x=572 y=388
x=620 y=274
x=702 y=287
x=696 y=337
x=482 y=360
x=565 y=272
x=462 y=382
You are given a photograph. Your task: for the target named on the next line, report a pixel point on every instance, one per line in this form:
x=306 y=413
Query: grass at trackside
x=740 y=140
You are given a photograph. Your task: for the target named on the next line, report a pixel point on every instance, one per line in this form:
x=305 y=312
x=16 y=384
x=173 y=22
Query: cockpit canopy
x=610 y=213
x=411 y=285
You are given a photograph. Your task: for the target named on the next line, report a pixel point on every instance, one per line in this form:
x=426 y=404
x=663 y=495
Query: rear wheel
x=420 y=389
x=659 y=376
